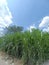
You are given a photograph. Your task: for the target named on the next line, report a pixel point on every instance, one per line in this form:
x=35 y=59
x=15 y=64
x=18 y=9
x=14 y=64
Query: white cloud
x=31 y=27
x=46 y=29
x=44 y=24
x=5 y=14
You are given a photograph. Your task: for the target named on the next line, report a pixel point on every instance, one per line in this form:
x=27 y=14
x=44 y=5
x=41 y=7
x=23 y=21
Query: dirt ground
x=6 y=60
x=46 y=63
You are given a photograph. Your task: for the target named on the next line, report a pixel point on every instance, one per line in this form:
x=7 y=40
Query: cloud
x=44 y=24
x=46 y=29
x=31 y=27
x=5 y=15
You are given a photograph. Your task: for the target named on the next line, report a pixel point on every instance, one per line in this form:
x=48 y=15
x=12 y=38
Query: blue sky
x=28 y=12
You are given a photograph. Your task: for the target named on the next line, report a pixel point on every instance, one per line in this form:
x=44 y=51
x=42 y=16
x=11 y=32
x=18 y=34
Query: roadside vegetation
x=31 y=47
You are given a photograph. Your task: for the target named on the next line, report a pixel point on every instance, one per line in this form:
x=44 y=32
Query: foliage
x=13 y=29
x=31 y=47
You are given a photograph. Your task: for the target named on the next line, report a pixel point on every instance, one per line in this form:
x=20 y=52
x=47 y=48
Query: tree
x=13 y=29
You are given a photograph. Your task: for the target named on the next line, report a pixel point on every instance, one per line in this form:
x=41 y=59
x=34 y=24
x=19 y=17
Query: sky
x=5 y=15
x=30 y=13
x=27 y=13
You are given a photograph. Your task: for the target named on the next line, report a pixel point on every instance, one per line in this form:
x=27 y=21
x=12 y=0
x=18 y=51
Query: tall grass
x=31 y=47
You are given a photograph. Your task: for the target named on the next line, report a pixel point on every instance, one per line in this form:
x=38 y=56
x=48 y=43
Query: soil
x=6 y=60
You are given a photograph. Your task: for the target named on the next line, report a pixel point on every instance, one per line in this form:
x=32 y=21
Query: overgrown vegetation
x=31 y=47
